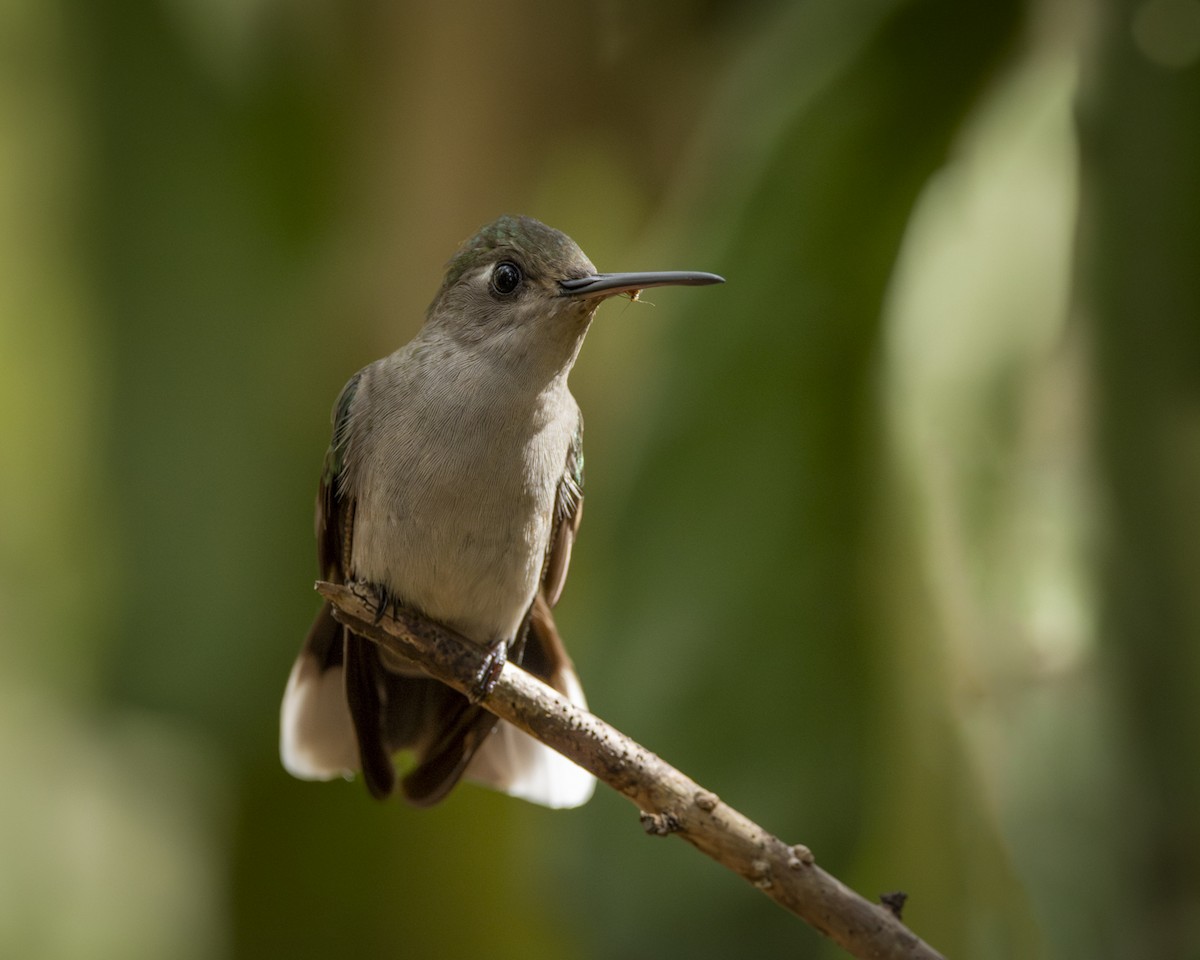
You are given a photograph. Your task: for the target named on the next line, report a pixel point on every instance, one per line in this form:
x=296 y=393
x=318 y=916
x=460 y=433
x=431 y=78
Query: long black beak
x=608 y=284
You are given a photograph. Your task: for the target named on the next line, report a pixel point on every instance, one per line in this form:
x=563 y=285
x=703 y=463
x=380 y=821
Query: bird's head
x=531 y=292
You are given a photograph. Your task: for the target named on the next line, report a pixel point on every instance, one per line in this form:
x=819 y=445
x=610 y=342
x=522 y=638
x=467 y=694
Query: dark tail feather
x=324 y=640
x=393 y=711
x=365 y=678
x=461 y=729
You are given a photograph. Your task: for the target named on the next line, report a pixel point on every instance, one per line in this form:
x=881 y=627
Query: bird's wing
x=317 y=738
x=335 y=505
x=568 y=512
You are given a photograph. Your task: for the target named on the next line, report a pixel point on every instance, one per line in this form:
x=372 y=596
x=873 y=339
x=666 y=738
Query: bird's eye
x=506 y=278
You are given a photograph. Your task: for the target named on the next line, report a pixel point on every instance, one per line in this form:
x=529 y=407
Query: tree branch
x=670 y=802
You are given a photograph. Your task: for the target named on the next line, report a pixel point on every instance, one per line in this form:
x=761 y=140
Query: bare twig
x=670 y=803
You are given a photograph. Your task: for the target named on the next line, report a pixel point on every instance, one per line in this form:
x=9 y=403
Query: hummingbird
x=453 y=486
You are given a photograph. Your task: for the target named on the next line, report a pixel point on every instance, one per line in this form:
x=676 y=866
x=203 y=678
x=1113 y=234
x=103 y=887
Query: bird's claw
x=489 y=672
x=383 y=600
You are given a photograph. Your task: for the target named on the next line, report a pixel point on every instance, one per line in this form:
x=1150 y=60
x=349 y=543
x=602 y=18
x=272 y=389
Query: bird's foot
x=489 y=672
x=383 y=600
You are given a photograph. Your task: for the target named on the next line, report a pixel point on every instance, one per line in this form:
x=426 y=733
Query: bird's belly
x=468 y=558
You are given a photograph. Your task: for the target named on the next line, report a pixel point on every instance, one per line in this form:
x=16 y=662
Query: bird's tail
x=346 y=710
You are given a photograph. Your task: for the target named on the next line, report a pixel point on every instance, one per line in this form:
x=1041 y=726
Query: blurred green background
x=893 y=541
